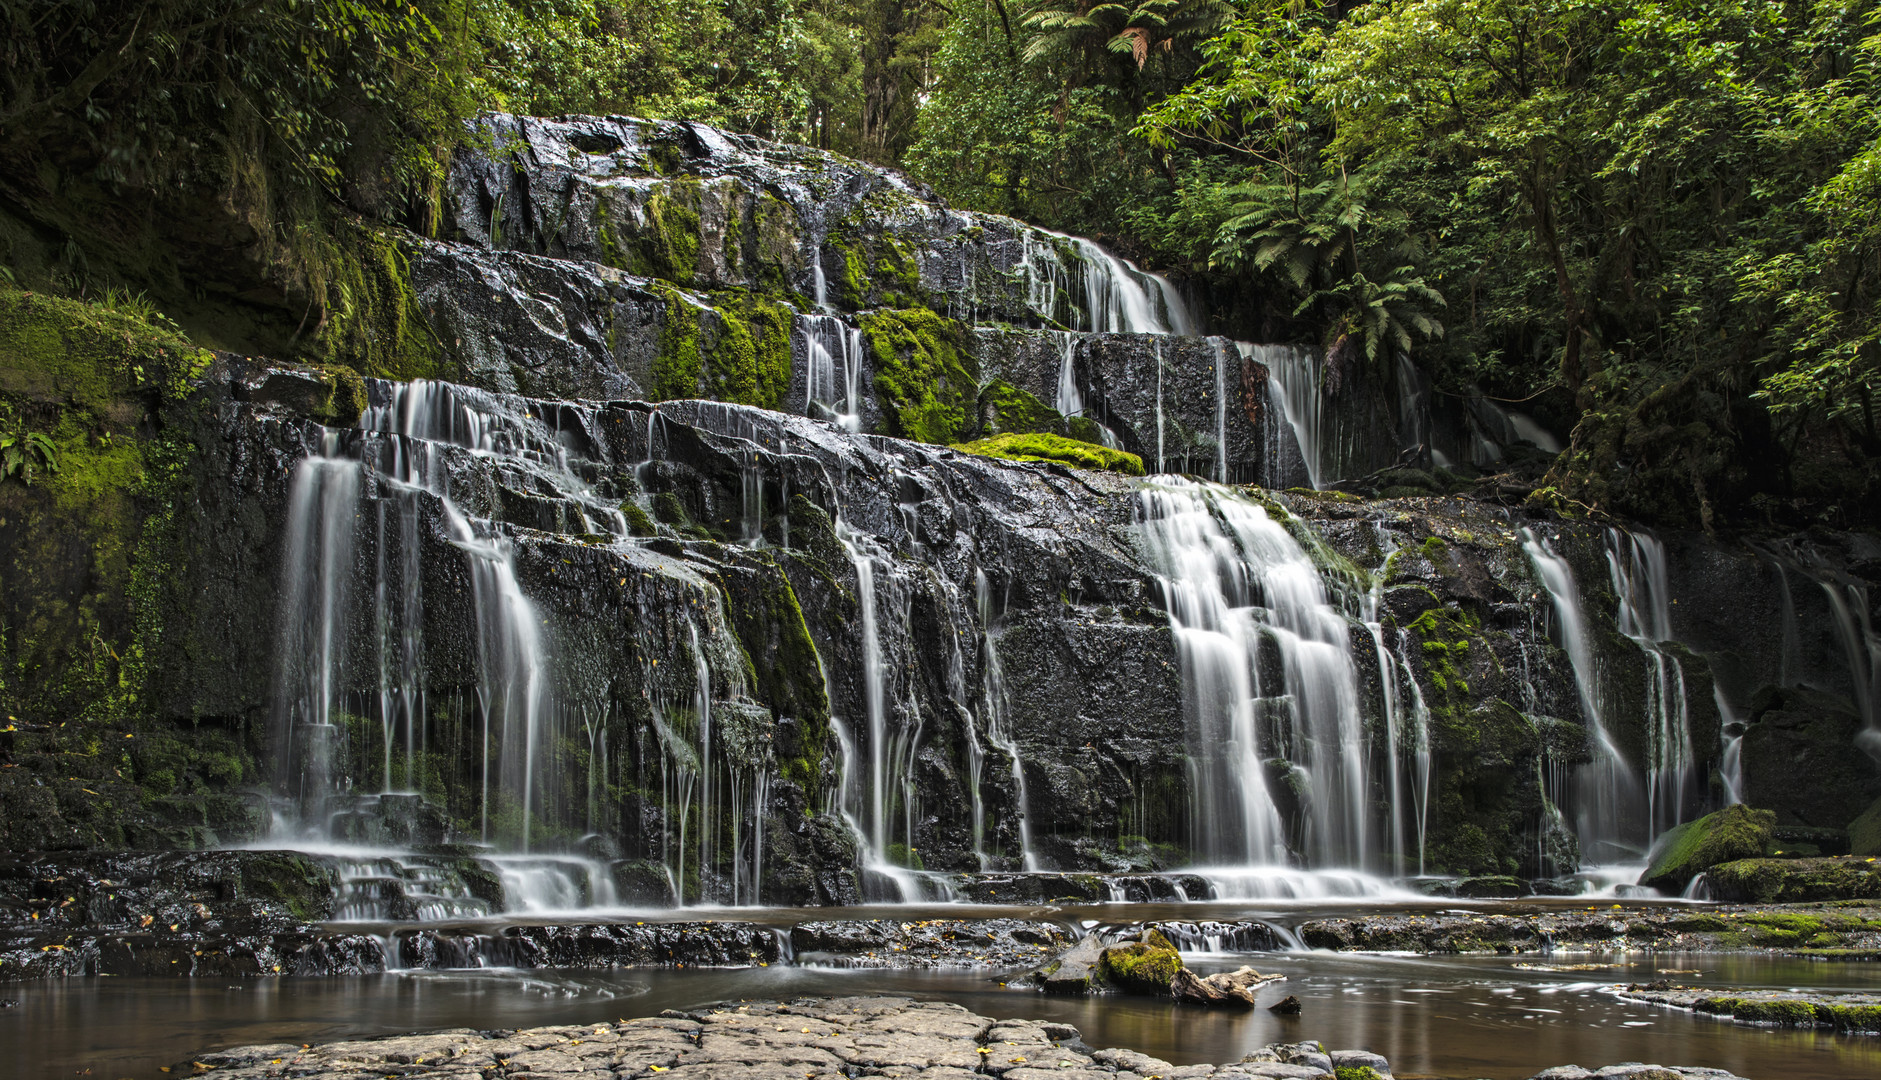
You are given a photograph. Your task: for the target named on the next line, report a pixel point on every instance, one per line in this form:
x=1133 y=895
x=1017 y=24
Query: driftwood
x=1234 y=989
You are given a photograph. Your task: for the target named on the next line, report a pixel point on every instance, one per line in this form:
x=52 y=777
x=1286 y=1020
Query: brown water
x=1443 y=1017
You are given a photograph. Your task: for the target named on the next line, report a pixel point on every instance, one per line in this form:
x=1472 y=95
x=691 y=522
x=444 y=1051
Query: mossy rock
x=1080 y=455
x=1007 y=409
x=926 y=384
x=1142 y=967
x=1796 y=881
x=638 y=523
x=1684 y=852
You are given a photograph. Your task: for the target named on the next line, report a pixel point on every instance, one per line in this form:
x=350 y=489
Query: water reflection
x=1500 y=1018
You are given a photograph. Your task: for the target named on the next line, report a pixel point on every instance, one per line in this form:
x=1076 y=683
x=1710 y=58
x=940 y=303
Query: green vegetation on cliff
x=926 y=383
x=1057 y=448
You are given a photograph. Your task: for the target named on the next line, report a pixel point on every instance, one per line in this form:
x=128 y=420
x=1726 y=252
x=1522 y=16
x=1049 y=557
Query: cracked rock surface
x=805 y=1039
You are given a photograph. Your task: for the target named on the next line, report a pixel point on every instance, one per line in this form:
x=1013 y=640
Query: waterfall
x=1636 y=562
x=1234 y=583
x=429 y=463
x=317 y=569
x=1609 y=806
x=1070 y=400
x=1293 y=373
x=1117 y=295
x=1861 y=649
x=1406 y=725
x=871 y=808
x=1731 y=757
x=1221 y=411
x=833 y=369
x=994 y=715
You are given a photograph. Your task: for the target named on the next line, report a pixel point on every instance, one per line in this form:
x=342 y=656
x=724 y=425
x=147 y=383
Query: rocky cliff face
x=677 y=593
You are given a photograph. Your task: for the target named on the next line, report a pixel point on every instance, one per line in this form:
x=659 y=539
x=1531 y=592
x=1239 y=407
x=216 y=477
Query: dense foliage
x=1652 y=220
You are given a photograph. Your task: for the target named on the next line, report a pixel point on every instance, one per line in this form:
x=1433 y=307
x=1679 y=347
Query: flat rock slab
x=1853 y=1013
x=1633 y=1070
x=805 y=1039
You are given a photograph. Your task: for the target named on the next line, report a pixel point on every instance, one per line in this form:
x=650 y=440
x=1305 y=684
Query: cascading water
x=880 y=805
x=356 y=523
x=1293 y=388
x=1070 y=400
x=994 y=715
x=1636 y=562
x=1117 y=295
x=833 y=351
x=1235 y=584
x=1610 y=806
x=1406 y=725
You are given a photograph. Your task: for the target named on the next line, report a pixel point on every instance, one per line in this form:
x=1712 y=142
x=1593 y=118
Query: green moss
x=897 y=268
x=668 y=509
x=1355 y=1072
x=1735 y=832
x=926 y=384
x=638 y=523
x=855 y=279
x=788 y=674
x=302 y=886
x=1084 y=429
x=750 y=361
x=774 y=224
x=84 y=550
x=677 y=367
x=1445 y=633
x=904 y=856
x=373 y=324
x=1142 y=967
x=1008 y=409
x=1789 y=881
x=1056 y=448
x=669 y=242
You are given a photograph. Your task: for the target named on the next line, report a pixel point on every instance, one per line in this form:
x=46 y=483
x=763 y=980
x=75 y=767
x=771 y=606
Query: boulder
x=1800 y=759
x=1796 y=881
x=1684 y=852
x=1075 y=971
x=1864 y=833
x=1147 y=966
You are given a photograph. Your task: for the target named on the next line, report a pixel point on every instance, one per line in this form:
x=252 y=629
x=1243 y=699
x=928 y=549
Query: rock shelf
x=1847 y=1012
x=812 y=1039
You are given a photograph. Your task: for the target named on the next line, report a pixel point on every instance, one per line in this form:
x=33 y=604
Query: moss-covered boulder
x=1684 y=852
x=1080 y=455
x=1796 y=881
x=1147 y=966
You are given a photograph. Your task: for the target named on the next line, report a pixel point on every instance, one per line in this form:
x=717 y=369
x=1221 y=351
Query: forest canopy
x=1654 y=222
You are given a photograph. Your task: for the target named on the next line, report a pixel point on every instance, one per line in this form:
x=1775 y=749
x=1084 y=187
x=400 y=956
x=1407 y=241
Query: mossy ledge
x=1055 y=448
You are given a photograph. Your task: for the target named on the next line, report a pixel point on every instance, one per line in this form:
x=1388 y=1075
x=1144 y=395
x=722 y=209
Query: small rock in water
x=1286 y=1006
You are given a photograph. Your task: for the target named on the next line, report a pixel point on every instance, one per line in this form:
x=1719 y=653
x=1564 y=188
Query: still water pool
x=1501 y=1018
